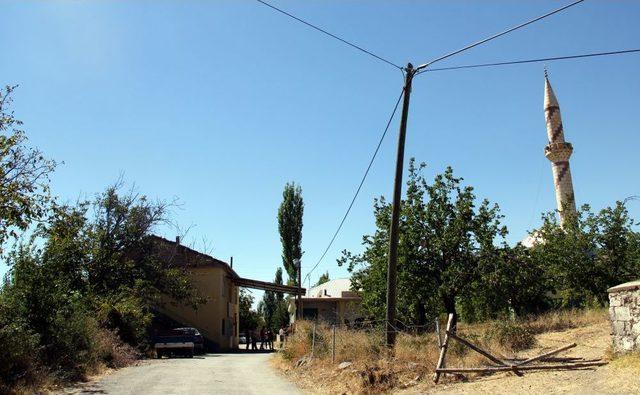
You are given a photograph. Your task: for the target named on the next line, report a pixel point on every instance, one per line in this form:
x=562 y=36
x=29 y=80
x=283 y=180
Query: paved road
x=209 y=374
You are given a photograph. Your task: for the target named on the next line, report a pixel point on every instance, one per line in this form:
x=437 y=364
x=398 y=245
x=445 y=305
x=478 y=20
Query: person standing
x=271 y=339
x=263 y=333
x=254 y=340
x=281 y=336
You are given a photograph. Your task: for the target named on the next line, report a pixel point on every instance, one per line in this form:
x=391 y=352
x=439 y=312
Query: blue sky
x=220 y=103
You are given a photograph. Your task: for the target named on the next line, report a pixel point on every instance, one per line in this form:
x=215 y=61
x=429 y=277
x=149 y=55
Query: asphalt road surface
x=248 y=373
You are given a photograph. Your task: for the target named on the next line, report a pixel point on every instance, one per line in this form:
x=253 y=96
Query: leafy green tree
x=87 y=270
x=510 y=283
x=443 y=239
x=290 y=227
x=249 y=318
x=24 y=175
x=49 y=304
x=590 y=253
x=323 y=278
x=280 y=314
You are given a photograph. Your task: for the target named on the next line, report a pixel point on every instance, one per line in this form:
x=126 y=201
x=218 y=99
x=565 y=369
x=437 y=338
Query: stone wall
x=624 y=312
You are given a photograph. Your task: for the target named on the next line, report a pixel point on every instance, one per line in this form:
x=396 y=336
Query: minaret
x=558 y=152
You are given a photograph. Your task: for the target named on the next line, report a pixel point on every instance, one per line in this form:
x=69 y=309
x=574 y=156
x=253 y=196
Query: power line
x=329 y=34
x=497 y=35
x=458 y=68
x=588 y=55
x=364 y=177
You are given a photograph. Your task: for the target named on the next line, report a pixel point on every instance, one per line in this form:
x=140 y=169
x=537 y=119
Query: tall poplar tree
x=290 y=228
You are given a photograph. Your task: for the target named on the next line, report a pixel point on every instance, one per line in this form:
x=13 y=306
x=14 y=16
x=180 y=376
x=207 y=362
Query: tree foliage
x=444 y=238
x=290 y=228
x=324 y=277
x=24 y=175
x=592 y=252
x=453 y=257
x=249 y=318
x=273 y=307
x=88 y=268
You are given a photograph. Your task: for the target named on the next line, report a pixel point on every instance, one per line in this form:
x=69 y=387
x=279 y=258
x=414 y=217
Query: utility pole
x=299 y=296
x=395 y=213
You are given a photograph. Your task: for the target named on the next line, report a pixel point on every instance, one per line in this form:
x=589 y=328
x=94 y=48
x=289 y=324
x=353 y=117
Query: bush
x=513 y=336
x=19 y=345
x=112 y=351
x=70 y=344
x=128 y=316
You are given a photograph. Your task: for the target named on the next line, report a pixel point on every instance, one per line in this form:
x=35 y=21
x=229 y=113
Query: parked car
x=173 y=343
x=198 y=340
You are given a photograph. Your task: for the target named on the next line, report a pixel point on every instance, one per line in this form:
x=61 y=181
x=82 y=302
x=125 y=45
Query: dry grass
x=566 y=319
x=372 y=369
x=627 y=361
x=109 y=353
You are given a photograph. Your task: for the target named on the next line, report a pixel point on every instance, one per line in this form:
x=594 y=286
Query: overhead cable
x=423 y=66
x=359 y=48
x=364 y=177
x=474 y=66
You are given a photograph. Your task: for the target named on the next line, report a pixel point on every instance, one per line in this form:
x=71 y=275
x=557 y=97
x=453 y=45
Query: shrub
x=128 y=316
x=19 y=345
x=112 y=351
x=513 y=336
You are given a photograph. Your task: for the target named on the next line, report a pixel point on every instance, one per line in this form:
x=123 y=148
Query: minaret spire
x=558 y=151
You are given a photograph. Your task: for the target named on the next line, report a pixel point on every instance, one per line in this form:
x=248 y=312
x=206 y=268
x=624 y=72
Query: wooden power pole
x=395 y=213
x=299 y=296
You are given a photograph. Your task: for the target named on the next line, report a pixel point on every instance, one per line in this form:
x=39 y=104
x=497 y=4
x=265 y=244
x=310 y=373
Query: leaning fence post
x=438 y=333
x=443 y=349
x=333 y=346
x=313 y=340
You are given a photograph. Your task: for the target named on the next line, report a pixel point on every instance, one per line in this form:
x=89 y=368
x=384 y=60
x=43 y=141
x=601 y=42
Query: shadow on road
x=245 y=351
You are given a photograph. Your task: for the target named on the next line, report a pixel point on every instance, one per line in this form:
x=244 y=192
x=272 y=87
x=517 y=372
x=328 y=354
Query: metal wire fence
x=341 y=340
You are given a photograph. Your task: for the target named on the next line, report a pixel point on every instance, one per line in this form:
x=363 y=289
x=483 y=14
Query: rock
x=412 y=382
x=622 y=313
x=344 y=365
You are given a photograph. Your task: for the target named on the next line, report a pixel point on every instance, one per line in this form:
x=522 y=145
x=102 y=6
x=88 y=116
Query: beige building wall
x=217 y=319
x=332 y=310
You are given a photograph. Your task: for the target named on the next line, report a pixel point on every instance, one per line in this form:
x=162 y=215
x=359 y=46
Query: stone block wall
x=624 y=313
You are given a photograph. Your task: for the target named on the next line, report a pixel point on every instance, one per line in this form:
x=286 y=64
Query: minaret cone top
x=550 y=99
x=552 y=115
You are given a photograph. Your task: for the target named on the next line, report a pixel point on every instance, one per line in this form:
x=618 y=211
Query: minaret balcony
x=558 y=152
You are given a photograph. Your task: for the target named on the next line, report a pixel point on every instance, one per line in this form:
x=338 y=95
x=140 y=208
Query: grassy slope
x=412 y=366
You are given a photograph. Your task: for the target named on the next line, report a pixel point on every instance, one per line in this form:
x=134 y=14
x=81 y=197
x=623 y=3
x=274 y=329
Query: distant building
x=332 y=302
x=218 y=318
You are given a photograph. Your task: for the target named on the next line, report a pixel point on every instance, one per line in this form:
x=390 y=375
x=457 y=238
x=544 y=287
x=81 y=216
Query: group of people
x=266 y=337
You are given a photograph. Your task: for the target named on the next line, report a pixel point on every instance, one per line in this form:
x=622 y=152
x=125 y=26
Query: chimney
x=231 y=262
x=178 y=240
